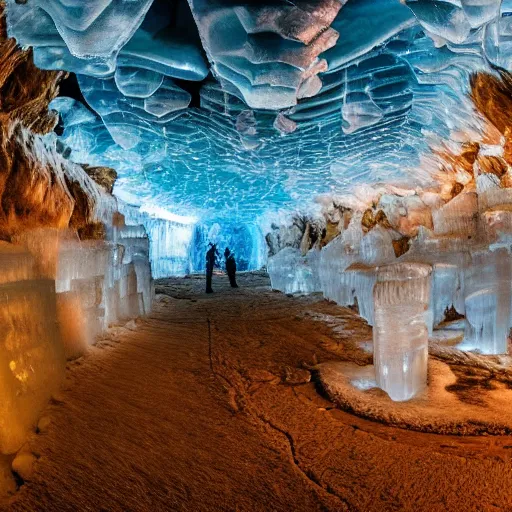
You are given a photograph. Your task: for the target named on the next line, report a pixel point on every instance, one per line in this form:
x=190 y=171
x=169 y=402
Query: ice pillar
x=488 y=291
x=400 y=335
x=447 y=290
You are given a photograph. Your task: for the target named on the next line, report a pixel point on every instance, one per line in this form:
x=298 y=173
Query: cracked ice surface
x=295 y=100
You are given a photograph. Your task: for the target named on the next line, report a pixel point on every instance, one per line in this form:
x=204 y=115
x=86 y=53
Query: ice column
x=488 y=302
x=400 y=335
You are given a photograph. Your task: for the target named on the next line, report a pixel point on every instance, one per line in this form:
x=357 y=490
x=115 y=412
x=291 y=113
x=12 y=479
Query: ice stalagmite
x=488 y=301
x=400 y=335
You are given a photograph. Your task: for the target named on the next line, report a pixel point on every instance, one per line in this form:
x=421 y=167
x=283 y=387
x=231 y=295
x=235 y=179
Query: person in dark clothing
x=230 y=267
x=211 y=257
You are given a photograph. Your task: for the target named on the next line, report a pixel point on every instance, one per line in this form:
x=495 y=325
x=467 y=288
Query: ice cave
x=255 y=255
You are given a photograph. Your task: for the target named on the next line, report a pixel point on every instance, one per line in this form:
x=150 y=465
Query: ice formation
x=400 y=334
x=294 y=99
x=109 y=282
x=383 y=127
x=69 y=267
x=177 y=244
x=32 y=358
x=292 y=272
x=488 y=301
x=57 y=294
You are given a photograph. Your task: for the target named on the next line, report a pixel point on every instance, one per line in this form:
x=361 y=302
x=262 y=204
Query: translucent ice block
x=144 y=282
x=355 y=284
x=400 y=335
x=44 y=244
x=31 y=357
x=447 y=290
x=82 y=260
x=291 y=272
x=488 y=287
x=16 y=263
x=457 y=217
x=100 y=283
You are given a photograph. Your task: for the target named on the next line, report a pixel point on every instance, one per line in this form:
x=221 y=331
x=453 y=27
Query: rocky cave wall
x=69 y=266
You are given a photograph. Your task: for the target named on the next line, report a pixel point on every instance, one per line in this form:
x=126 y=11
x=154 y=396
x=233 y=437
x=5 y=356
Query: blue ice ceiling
x=290 y=99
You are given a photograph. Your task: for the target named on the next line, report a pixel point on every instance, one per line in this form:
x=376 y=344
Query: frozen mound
x=290 y=100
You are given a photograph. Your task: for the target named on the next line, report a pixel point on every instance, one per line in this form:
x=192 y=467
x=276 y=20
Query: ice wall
x=170 y=241
x=488 y=290
x=69 y=268
x=447 y=290
x=32 y=359
x=101 y=283
x=244 y=239
x=178 y=244
x=292 y=272
x=57 y=294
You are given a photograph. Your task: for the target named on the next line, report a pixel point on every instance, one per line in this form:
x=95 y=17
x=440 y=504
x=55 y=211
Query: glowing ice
x=400 y=334
x=488 y=289
x=32 y=361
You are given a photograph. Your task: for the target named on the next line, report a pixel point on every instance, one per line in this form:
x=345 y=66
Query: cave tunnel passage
x=211 y=403
x=356 y=157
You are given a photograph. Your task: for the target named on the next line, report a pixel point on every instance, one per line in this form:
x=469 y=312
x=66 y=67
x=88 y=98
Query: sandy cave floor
x=207 y=405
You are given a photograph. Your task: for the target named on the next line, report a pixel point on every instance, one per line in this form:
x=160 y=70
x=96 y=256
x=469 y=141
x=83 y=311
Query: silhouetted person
x=230 y=267
x=210 y=263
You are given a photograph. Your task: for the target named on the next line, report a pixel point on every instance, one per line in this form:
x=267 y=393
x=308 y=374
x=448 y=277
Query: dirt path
x=205 y=406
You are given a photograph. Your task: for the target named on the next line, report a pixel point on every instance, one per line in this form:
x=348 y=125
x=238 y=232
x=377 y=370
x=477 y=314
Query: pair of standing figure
x=211 y=262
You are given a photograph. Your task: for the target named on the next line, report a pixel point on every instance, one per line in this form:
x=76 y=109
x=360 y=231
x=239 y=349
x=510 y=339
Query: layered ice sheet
x=301 y=99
